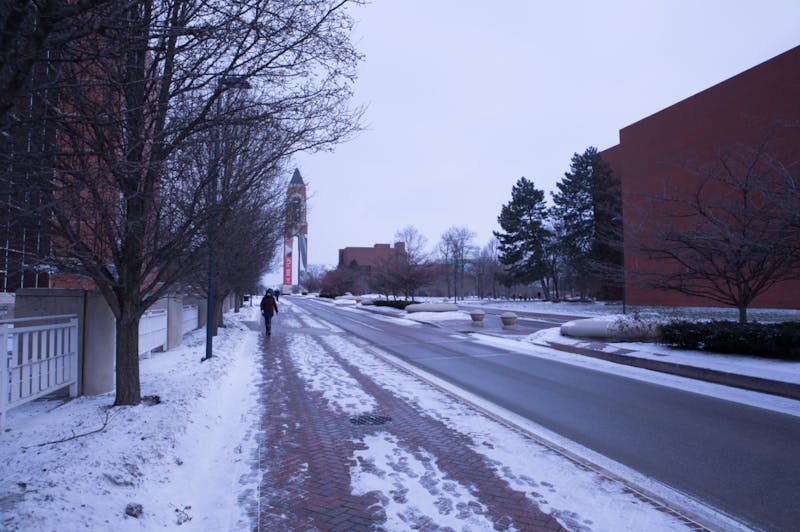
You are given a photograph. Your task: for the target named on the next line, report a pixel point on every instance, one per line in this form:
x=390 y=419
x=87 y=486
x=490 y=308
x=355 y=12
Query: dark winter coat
x=268 y=306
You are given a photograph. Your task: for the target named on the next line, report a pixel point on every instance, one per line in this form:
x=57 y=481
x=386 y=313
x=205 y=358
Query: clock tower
x=296 y=227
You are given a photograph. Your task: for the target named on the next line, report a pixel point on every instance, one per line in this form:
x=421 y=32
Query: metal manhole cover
x=370 y=420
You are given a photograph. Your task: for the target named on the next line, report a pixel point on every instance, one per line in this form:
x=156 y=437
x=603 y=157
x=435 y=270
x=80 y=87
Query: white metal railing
x=40 y=359
x=153 y=331
x=189 y=321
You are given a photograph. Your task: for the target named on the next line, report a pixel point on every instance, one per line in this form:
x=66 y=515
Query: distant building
x=365 y=259
x=654 y=154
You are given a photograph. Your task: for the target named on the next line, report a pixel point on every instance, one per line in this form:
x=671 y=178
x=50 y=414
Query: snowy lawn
x=185 y=460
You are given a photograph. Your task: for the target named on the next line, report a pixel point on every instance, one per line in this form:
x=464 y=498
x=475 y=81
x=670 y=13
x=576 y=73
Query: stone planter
x=477 y=317
x=509 y=319
x=431 y=307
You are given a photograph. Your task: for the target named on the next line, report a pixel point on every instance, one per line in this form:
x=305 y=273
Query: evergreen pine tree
x=587 y=216
x=524 y=235
x=607 y=248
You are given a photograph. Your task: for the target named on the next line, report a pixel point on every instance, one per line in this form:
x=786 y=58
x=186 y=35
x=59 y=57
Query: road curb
x=747 y=382
x=736 y=380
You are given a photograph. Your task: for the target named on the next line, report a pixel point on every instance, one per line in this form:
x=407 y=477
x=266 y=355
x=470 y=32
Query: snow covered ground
x=186 y=460
x=579 y=497
x=189 y=460
x=603 y=309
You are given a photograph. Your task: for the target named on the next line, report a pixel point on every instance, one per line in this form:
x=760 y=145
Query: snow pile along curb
x=431 y=307
x=621 y=327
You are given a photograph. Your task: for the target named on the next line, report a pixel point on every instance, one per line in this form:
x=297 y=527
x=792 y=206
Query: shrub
x=394 y=304
x=767 y=340
x=329 y=294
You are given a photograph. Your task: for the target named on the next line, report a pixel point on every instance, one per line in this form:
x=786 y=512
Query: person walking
x=269 y=307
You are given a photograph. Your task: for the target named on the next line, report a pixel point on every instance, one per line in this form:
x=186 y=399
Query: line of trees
x=455 y=268
x=576 y=243
x=163 y=129
x=572 y=247
x=727 y=232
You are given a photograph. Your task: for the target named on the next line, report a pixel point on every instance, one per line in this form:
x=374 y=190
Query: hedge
x=767 y=340
x=394 y=304
x=329 y=295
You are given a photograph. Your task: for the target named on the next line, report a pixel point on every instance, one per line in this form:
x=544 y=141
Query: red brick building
x=367 y=258
x=660 y=154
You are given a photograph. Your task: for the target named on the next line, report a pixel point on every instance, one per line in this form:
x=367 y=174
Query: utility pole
x=223 y=83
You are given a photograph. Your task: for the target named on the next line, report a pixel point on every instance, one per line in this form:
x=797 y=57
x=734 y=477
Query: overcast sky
x=465 y=97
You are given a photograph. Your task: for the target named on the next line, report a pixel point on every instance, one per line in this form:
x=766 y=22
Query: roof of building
x=297 y=179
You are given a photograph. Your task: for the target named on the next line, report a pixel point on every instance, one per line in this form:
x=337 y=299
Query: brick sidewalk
x=307 y=450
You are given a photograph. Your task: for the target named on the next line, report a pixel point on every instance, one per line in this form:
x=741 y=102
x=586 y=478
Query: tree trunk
x=545 y=289
x=218 y=303
x=127 y=378
x=742 y=313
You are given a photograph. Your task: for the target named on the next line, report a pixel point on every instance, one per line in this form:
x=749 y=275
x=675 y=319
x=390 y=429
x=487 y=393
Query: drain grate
x=370 y=420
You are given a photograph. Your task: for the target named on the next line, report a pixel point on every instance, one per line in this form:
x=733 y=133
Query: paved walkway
x=307 y=452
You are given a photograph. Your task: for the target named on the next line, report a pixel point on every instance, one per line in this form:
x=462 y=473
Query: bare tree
x=341 y=280
x=415 y=243
x=246 y=247
x=29 y=32
x=455 y=246
x=128 y=98
x=245 y=220
x=735 y=235
x=386 y=277
x=414 y=269
x=314 y=276
x=485 y=269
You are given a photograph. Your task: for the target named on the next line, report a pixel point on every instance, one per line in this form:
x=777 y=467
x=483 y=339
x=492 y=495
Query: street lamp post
x=224 y=82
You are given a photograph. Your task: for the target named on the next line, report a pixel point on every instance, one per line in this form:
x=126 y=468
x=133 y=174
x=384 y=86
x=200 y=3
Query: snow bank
x=620 y=327
x=431 y=307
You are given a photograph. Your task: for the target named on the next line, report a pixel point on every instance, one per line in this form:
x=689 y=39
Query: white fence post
x=73 y=349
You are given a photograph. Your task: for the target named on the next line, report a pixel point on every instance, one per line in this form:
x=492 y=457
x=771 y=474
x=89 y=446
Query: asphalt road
x=741 y=460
